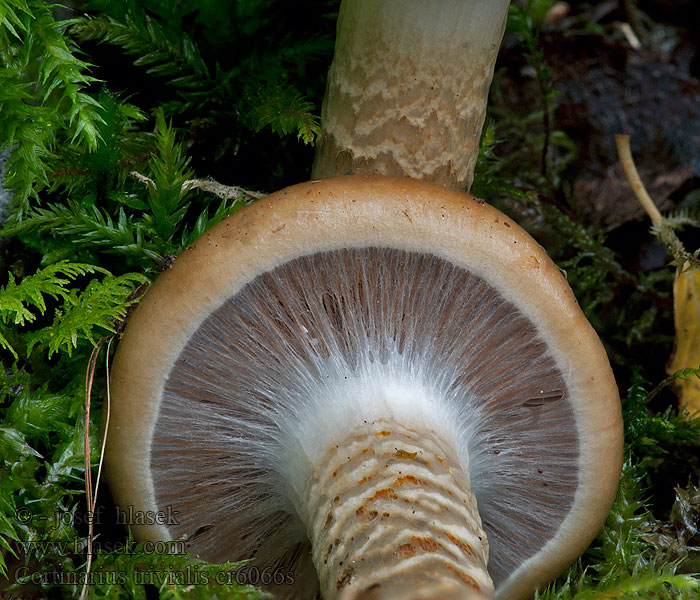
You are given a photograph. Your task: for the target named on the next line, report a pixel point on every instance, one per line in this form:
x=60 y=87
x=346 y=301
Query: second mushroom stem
x=390 y=514
x=407 y=89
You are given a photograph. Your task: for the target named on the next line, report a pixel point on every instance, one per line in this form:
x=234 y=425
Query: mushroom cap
x=270 y=313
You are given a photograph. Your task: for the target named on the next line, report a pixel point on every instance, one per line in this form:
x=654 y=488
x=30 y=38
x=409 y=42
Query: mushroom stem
x=407 y=90
x=390 y=512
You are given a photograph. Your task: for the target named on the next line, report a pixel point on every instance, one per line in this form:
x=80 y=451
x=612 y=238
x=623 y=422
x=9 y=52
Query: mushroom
x=360 y=363
x=375 y=387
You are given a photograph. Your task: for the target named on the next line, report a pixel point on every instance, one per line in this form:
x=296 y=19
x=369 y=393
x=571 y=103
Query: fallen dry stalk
x=625 y=154
x=212 y=187
x=90 y=494
x=663 y=227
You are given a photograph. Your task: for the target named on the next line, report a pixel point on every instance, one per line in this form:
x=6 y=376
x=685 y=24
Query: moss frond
x=285 y=111
x=42 y=91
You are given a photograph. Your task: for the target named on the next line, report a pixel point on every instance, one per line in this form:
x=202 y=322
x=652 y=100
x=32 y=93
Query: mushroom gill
x=324 y=343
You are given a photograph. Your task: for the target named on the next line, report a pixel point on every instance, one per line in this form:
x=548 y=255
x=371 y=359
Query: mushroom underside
x=351 y=335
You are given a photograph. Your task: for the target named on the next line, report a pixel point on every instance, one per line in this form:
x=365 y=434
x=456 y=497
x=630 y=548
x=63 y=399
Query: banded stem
x=390 y=515
x=407 y=90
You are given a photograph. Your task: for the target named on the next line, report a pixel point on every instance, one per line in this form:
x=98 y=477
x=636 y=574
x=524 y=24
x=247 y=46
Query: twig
x=664 y=228
x=625 y=155
x=630 y=36
x=222 y=191
x=213 y=187
x=633 y=19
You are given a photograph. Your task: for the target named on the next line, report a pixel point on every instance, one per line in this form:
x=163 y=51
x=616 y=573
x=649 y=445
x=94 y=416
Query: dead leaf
x=686 y=309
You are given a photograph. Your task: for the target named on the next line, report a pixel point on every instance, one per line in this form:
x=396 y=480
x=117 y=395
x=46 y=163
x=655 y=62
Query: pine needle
x=91 y=496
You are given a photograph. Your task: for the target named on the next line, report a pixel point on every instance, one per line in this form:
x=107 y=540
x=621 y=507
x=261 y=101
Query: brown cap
x=234 y=370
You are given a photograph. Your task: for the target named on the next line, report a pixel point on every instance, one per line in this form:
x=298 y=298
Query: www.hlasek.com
x=190 y=575
x=80 y=546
